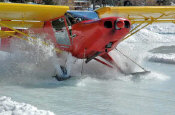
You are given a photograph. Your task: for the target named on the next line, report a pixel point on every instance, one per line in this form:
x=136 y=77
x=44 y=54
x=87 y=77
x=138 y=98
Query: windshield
x=78 y=16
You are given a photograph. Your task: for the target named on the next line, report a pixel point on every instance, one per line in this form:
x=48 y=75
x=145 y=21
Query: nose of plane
x=116 y=22
x=114 y=29
x=119 y=24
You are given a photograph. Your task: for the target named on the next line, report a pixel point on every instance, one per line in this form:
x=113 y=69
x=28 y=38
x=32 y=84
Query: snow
x=158 y=37
x=154 y=34
x=148 y=40
x=10 y=107
x=162 y=58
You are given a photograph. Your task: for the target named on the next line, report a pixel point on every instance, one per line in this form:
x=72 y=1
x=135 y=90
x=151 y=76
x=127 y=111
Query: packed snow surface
x=10 y=107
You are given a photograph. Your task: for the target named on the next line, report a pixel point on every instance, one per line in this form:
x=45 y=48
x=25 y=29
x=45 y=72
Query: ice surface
x=10 y=107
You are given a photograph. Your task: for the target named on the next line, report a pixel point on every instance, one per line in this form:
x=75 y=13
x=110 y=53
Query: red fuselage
x=90 y=38
x=95 y=35
x=87 y=38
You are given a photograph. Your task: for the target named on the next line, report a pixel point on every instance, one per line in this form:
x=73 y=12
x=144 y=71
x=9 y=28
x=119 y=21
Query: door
x=61 y=32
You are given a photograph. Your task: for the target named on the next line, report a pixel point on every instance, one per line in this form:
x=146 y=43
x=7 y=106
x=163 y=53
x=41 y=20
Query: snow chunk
x=162 y=58
x=9 y=107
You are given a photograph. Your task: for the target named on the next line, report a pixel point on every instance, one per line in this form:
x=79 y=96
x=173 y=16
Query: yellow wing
x=141 y=14
x=29 y=15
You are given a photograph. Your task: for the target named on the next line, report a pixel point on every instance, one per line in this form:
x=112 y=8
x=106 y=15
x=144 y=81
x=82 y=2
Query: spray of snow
x=28 y=62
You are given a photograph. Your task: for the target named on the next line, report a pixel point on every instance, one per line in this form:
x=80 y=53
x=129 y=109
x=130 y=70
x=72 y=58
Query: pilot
x=76 y=20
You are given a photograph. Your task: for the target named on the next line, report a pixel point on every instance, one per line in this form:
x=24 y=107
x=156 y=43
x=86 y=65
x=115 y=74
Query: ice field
x=25 y=77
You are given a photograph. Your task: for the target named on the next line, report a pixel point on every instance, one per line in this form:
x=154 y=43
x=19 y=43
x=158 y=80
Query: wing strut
x=135 y=30
x=135 y=73
x=131 y=60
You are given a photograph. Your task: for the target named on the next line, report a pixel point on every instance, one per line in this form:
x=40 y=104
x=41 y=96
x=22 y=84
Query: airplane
x=86 y=35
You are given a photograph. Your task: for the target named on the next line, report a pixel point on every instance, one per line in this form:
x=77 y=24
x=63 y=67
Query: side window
x=58 y=24
x=61 y=33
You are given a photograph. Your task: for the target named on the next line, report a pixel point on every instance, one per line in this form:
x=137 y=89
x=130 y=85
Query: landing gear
x=61 y=78
x=144 y=72
x=63 y=72
x=64 y=75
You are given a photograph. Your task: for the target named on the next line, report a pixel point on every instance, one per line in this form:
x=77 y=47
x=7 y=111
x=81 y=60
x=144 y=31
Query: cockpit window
x=78 y=16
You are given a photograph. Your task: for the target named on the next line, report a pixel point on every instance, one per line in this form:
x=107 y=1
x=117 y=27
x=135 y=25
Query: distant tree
x=163 y=2
x=17 y=1
x=94 y=3
x=167 y=2
x=119 y=3
x=112 y=2
x=138 y=2
x=49 y=2
x=150 y=2
x=103 y=3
